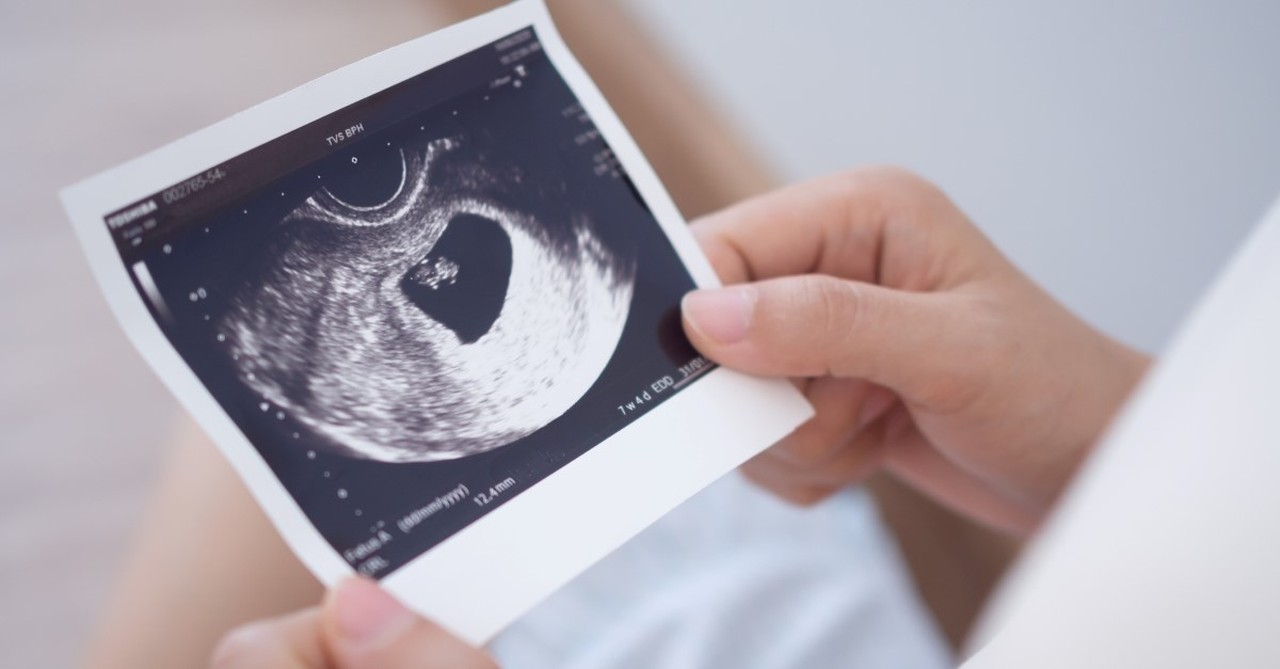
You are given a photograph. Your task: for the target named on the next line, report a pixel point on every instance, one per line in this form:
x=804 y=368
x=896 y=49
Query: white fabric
x=1166 y=551
x=735 y=578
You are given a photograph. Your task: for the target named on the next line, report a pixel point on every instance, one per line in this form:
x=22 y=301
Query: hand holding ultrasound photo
x=431 y=314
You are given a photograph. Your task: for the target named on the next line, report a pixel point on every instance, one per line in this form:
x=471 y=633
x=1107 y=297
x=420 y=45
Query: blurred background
x=1118 y=152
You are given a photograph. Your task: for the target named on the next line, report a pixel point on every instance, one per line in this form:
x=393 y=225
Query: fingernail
x=367 y=615
x=722 y=315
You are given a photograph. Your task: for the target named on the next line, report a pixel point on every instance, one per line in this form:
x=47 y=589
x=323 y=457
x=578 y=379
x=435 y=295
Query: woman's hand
x=359 y=626
x=923 y=349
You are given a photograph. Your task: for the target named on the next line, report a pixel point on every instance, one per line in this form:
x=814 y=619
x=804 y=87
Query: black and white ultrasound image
x=433 y=318
x=443 y=304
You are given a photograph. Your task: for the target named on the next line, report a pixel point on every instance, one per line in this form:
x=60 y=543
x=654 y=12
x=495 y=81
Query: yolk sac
x=372 y=181
x=462 y=283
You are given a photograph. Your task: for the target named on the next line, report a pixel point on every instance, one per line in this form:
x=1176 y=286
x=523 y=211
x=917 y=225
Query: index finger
x=831 y=225
x=864 y=225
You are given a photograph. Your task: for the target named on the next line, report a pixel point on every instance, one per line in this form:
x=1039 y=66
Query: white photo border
x=494 y=570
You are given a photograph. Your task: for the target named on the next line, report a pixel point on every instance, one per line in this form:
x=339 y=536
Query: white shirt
x=1166 y=551
x=735 y=578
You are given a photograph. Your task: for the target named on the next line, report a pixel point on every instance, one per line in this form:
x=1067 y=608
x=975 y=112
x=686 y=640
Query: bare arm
x=206 y=559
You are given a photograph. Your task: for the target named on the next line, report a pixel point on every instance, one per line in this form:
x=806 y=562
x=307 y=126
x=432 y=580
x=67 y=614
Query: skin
x=925 y=352
x=358 y=625
x=234 y=562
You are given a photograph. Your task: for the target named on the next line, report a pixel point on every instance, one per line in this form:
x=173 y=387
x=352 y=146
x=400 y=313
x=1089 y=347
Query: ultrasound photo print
x=467 y=310
x=417 y=326
x=428 y=307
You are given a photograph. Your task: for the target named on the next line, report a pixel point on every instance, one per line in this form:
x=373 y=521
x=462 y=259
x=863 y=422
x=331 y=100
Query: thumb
x=818 y=325
x=367 y=628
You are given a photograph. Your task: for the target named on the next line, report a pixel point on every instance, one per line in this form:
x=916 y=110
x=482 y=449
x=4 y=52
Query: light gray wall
x=1118 y=151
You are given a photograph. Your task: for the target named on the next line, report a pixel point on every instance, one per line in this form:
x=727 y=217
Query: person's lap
x=736 y=578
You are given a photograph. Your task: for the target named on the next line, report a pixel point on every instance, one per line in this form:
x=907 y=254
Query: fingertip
x=367 y=627
x=362 y=614
x=291 y=641
x=719 y=316
x=241 y=647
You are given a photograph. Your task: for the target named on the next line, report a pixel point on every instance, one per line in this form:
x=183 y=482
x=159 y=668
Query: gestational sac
x=449 y=318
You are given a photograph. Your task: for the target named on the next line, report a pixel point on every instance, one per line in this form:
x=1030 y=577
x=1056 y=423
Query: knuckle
x=903 y=183
x=727 y=263
x=902 y=193
x=891 y=179
x=836 y=306
x=834 y=302
x=800 y=319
